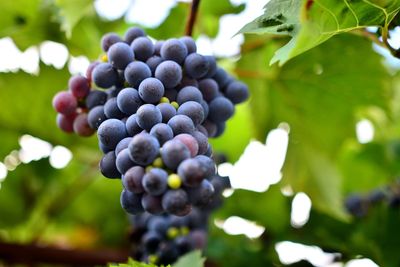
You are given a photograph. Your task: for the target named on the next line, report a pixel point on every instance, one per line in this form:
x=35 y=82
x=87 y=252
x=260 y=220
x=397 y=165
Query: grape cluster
x=161 y=239
x=155 y=106
x=358 y=205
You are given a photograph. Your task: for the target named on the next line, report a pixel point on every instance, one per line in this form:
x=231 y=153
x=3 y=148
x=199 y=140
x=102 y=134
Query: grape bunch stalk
x=154 y=106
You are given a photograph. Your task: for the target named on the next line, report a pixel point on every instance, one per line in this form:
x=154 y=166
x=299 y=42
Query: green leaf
x=192 y=259
x=311 y=23
x=72 y=11
x=319 y=97
x=132 y=263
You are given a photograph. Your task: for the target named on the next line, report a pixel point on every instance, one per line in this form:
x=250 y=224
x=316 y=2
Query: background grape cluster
x=358 y=205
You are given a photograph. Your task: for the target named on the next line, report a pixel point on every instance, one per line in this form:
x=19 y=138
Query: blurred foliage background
x=318 y=97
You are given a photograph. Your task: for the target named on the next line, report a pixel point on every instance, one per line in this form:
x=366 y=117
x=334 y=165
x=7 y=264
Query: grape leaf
x=133 y=263
x=72 y=12
x=310 y=23
x=319 y=97
x=192 y=259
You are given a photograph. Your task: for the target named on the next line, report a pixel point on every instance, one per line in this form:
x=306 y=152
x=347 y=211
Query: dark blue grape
x=202 y=141
x=151 y=240
x=192 y=172
x=151 y=90
x=193 y=110
x=206 y=109
x=124 y=143
x=158 y=224
x=208 y=165
x=153 y=63
x=157 y=47
x=184 y=244
x=107 y=166
x=167 y=253
x=221 y=77
x=132 y=179
x=123 y=161
x=147 y=116
x=189 y=93
x=212 y=66
x=104 y=75
x=162 y=132
x=173 y=153
x=209 y=152
x=136 y=72
x=211 y=128
x=152 y=204
x=110 y=132
x=237 y=92
x=220 y=129
x=96 y=98
x=175 y=50
x=96 y=116
x=167 y=111
x=111 y=109
x=202 y=194
x=128 y=100
x=181 y=124
x=133 y=33
x=189 y=43
x=143 y=149
x=356 y=206
x=209 y=89
x=108 y=40
x=104 y=148
x=120 y=55
x=143 y=48
x=131 y=202
x=176 y=202
x=131 y=125
x=220 y=109
x=376 y=196
x=169 y=73
x=155 y=181
x=196 y=65
x=201 y=129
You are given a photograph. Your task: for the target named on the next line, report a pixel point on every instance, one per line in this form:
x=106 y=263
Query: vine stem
x=194 y=7
x=382 y=43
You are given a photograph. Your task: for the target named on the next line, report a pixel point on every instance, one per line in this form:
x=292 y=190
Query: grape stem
x=194 y=7
x=375 y=39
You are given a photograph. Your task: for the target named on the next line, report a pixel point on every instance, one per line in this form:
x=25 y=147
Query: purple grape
x=79 y=86
x=147 y=116
x=120 y=55
x=108 y=167
x=176 y=202
x=193 y=110
x=173 y=153
x=132 y=179
x=136 y=72
x=174 y=49
x=189 y=93
x=169 y=73
x=65 y=103
x=128 y=100
x=104 y=75
x=167 y=111
x=131 y=202
x=155 y=181
x=143 y=149
x=196 y=65
x=108 y=40
x=220 y=109
x=111 y=132
x=151 y=90
x=81 y=125
x=143 y=48
x=162 y=132
x=181 y=124
x=96 y=116
x=133 y=33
